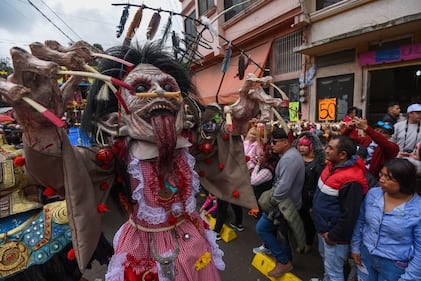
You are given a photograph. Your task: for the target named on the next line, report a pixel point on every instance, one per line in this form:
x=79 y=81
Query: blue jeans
x=334 y=258
x=375 y=268
x=267 y=231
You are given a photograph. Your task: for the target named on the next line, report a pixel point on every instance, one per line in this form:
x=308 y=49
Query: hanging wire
x=199 y=35
x=71 y=29
x=45 y=16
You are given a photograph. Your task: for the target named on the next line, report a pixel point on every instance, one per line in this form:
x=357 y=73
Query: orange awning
x=207 y=81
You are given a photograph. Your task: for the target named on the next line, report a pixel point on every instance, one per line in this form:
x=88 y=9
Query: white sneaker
x=262 y=249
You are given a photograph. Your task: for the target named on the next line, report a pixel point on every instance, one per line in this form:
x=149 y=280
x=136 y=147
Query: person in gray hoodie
x=286 y=188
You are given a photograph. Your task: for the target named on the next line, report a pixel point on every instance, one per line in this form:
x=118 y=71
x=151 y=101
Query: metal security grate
x=285 y=58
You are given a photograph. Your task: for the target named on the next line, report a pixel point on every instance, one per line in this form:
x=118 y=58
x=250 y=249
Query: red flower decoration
x=102 y=208
x=202 y=173
x=105 y=155
x=226 y=136
x=247 y=158
x=207 y=148
x=49 y=191
x=119 y=179
x=207 y=160
x=221 y=166
x=172 y=220
x=236 y=194
x=104 y=186
x=19 y=161
x=71 y=255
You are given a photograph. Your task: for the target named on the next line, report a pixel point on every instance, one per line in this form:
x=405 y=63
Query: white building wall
x=326 y=25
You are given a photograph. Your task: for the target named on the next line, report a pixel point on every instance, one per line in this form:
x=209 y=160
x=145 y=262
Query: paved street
x=238 y=255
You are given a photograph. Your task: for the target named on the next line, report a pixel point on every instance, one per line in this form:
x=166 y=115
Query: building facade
x=326 y=55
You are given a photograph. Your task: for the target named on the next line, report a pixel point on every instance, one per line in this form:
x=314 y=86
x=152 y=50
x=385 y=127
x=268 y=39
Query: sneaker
x=262 y=249
x=218 y=237
x=253 y=212
x=238 y=227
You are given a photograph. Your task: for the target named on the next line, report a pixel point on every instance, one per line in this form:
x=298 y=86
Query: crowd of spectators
x=345 y=184
x=352 y=188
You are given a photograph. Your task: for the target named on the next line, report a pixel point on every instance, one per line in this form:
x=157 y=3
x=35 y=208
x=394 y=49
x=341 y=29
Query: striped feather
x=153 y=26
x=134 y=25
x=167 y=30
x=241 y=66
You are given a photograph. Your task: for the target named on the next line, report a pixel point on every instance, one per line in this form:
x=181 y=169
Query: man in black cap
x=287 y=184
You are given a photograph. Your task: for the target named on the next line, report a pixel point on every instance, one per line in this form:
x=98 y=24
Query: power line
x=61 y=19
x=32 y=4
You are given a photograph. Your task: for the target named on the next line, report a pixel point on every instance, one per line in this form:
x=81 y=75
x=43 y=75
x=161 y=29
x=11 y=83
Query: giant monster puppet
x=150 y=138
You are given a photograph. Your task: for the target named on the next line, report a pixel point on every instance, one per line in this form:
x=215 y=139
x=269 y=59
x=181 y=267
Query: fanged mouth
x=158 y=109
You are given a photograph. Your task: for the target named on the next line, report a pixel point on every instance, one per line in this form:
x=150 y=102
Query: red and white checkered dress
x=148 y=230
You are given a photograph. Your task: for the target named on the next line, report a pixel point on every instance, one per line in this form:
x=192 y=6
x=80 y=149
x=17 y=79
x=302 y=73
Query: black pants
x=222 y=214
x=309 y=228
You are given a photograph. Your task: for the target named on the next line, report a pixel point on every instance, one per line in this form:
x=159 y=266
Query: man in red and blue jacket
x=336 y=204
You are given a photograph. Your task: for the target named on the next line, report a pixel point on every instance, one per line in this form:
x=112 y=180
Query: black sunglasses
x=274 y=141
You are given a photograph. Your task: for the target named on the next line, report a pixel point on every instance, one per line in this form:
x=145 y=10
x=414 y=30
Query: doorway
x=401 y=84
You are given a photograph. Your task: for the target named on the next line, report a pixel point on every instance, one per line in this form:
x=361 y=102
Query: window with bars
x=236 y=10
x=285 y=60
x=205 y=5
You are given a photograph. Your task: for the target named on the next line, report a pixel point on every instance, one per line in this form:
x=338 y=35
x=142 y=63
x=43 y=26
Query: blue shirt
x=394 y=235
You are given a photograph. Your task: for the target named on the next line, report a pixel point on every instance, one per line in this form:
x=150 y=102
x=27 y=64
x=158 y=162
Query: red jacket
x=384 y=151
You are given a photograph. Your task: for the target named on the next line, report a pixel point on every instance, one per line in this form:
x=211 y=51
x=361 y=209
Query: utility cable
x=196 y=21
x=36 y=8
x=71 y=29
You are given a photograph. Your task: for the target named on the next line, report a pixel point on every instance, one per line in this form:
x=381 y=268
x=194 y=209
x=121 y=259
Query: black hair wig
x=150 y=53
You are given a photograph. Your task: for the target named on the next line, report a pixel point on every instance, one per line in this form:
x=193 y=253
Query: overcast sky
x=93 y=21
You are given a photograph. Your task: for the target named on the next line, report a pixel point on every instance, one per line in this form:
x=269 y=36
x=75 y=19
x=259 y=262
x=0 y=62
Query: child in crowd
x=262 y=175
x=209 y=206
x=252 y=147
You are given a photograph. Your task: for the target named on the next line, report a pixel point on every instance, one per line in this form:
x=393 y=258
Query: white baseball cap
x=414 y=107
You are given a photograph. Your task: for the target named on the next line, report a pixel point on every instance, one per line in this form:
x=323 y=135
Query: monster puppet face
x=154 y=105
x=154 y=99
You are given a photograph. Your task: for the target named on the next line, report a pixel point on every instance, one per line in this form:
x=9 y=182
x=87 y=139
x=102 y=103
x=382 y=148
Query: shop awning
x=207 y=81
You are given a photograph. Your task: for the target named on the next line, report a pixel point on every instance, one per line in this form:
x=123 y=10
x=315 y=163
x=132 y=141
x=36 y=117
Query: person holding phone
x=377 y=141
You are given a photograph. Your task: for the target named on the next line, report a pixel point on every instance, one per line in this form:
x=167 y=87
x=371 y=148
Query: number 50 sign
x=327 y=109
